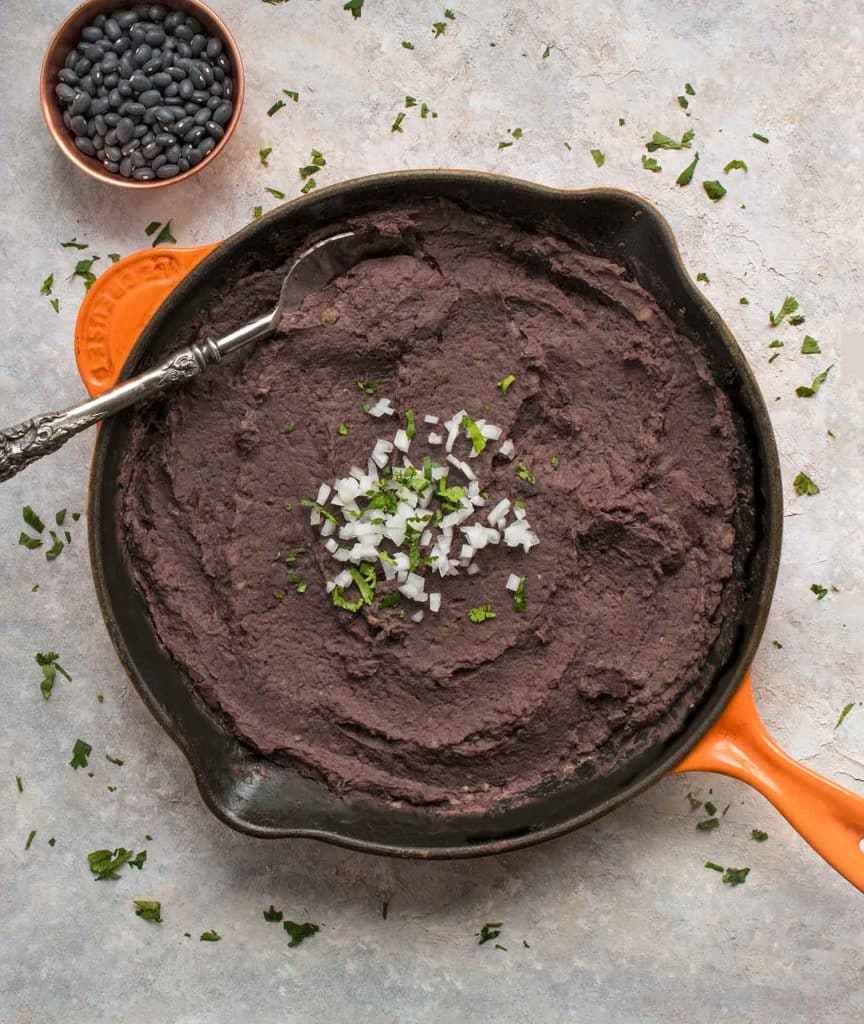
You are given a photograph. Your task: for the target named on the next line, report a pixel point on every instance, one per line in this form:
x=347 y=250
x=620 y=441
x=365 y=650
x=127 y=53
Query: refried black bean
x=146 y=92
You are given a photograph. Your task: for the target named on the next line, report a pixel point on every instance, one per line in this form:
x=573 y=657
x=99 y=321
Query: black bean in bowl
x=146 y=91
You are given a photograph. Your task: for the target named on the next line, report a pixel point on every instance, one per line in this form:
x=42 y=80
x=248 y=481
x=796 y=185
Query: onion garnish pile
x=416 y=524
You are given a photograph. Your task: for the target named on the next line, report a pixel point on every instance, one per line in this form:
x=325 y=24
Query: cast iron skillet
x=261 y=798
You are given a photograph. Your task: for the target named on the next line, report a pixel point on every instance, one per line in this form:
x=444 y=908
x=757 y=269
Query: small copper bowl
x=67 y=36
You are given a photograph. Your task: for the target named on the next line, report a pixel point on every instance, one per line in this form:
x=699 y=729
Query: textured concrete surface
x=623 y=922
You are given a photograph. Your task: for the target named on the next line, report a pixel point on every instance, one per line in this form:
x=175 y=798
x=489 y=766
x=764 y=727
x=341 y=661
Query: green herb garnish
x=390 y=600
x=310 y=184
x=406 y=45
x=524 y=473
x=50 y=667
x=650 y=164
x=277 y=106
x=686 y=176
x=683 y=102
x=804 y=485
x=106 y=863
x=806 y=391
x=299 y=932
x=47 y=285
x=410 y=424
x=790 y=305
x=148 y=910
x=736 y=876
x=83 y=269
x=342 y=430
x=708 y=824
x=369 y=386
x=397 y=124
x=735 y=165
x=164 y=235
x=760 y=138
x=710 y=808
x=810 y=346
x=80 y=752
x=30 y=839
x=308 y=503
x=758 y=835
x=702 y=276
x=661 y=141
x=263 y=154
x=277 y=193
x=366 y=580
x=506 y=383
x=114 y=760
x=843 y=714
x=818 y=590
x=292 y=94
x=599 y=157
x=19 y=783
x=272 y=914
x=439 y=28
x=714 y=867
x=32 y=519
x=688 y=88
x=73 y=243
x=714 y=190
x=481 y=613
x=211 y=935
x=488 y=932
x=478 y=441
x=257 y=212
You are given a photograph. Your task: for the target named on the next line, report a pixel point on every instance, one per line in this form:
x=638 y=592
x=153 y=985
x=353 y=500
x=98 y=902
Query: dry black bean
x=154 y=36
x=82 y=67
x=158 y=161
x=104 y=45
x=200 y=96
x=202 y=116
x=197 y=78
x=81 y=104
x=150 y=97
x=184 y=49
x=112 y=153
x=218 y=75
x=130 y=147
x=111 y=137
x=65 y=93
x=166 y=138
x=228 y=89
x=161 y=79
x=100 y=154
x=165 y=116
x=149 y=117
x=198 y=44
x=135 y=110
x=183 y=164
x=91 y=33
x=170 y=91
x=100 y=123
x=68 y=77
x=214 y=47
x=152 y=66
x=112 y=119
x=113 y=30
x=99 y=21
x=71 y=59
x=174 y=19
x=85 y=145
x=183 y=126
x=184 y=32
x=207 y=74
x=77 y=125
x=142 y=54
x=140 y=131
x=172 y=153
x=216 y=89
x=93 y=53
x=111 y=165
x=115 y=98
x=168 y=171
x=97 y=75
x=222 y=114
x=195 y=135
x=195 y=157
x=143 y=174
x=121 y=46
x=215 y=131
x=125 y=88
x=206 y=146
x=136 y=34
x=223 y=62
x=125 y=127
x=186 y=88
x=99 y=106
x=152 y=149
x=98 y=141
x=214 y=102
x=86 y=85
x=156 y=12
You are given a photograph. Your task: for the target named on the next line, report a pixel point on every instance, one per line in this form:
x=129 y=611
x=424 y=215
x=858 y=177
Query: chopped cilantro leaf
x=481 y=613
x=491 y=930
x=397 y=124
x=277 y=106
x=524 y=473
x=30 y=839
x=55 y=305
x=710 y=808
x=73 y=243
x=439 y=28
x=519 y=595
x=366 y=580
x=714 y=190
x=554 y=462
x=390 y=600
x=843 y=714
x=308 y=503
x=410 y=424
x=80 y=752
x=758 y=835
x=165 y=236
x=105 y=863
x=257 y=212
x=599 y=157
x=506 y=383
x=148 y=910
x=808 y=391
x=47 y=285
x=211 y=935
x=702 y=276
x=410 y=101
x=32 y=519
x=299 y=932
x=796 y=321
x=810 y=346
x=272 y=914
x=661 y=141
x=277 y=193
x=292 y=94
x=56 y=547
x=621 y=122
x=342 y=430
x=369 y=386
x=683 y=102
x=790 y=305
x=546 y=52
x=339 y=601
x=761 y=138
x=406 y=45
x=804 y=485
x=19 y=783
x=478 y=441
x=355 y=7
x=744 y=301
x=777 y=343
x=694 y=803
x=50 y=667
x=151 y=228
x=707 y=824
x=650 y=164
x=818 y=590
x=310 y=184
x=735 y=165
x=736 y=876
x=83 y=269
x=114 y=760
x=449 y=14
x=777 y=644
x=714 y=867
x=688 y=88
x=686 y=176
x=263 y=154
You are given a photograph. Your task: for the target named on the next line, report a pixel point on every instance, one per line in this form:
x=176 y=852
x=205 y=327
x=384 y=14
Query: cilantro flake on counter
x=277 y=193
x=818 y=590
x=714 y=867
x=50 y=667
x=735 y=876
x=211 y=935
x=481 y=613
x=73 y=243
x=342 y=430
x=735 y=165
x=257 y=212
x=105 y=864
x=292 y=94
x=47 y=285
x=299 y=932
x=760 y=138
x=148 y=910
x=599 y=157
x=310 y=184
x=688 y=88
x=683 y=102
x=808 y=391
x=277 y=106
x=30 y=839
x=710 y=808
x=489 y=931
x=702 y=276
x=114 y=257
x=19 y=783
x=272 y=914
x=804 y=485
x=843 y=714
x=650 y=164
x=83 y=269
x=661 y=141
x=439 y=28
x=758 y=835
x=397 y=124
x=406 y=45
x=32 y=519
x=114 y=760
x=790 y=305
x=707 y=824
x=263 y=154
x=810 y=346
x=796 y=321
x=80 y=752
x=714 y=190
x=686 y=176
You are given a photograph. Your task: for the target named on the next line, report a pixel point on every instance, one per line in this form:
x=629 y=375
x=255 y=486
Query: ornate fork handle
x=26 y=442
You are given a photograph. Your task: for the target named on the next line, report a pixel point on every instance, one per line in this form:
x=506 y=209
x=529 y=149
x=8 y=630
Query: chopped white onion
x=430 y=419
x=513 y=581
x=401 y=440
x=434 y=438
x=519 y=533
x=383 y=407
x=417 y=617
x=507 y=449
x=435 y=602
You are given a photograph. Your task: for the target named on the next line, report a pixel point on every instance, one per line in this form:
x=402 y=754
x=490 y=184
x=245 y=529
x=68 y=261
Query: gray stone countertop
x=623 y=922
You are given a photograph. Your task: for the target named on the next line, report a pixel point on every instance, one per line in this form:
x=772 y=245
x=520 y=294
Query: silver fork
x=320 y=263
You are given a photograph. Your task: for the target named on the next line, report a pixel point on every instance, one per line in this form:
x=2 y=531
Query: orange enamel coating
x=120 y=303
x=828 y=817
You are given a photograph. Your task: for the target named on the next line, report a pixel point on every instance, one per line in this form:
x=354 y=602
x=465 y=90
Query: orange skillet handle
x=119 y=304
x=829 y=817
